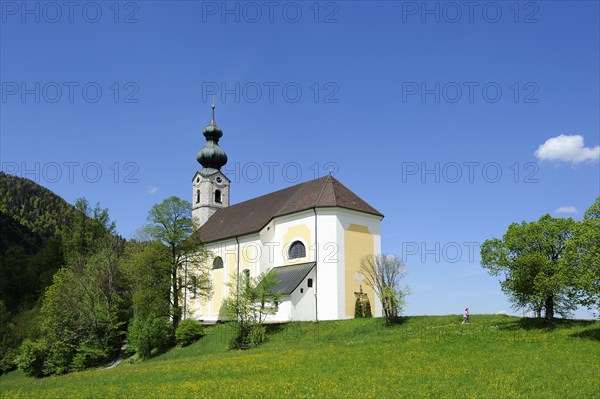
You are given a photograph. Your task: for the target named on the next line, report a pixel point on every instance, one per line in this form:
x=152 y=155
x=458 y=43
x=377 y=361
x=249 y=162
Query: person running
x=466 y=316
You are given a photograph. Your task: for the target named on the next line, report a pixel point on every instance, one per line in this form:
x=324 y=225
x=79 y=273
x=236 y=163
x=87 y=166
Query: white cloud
x=566 y=209
x=152 y=190
x=568 y=149
x=504 y=312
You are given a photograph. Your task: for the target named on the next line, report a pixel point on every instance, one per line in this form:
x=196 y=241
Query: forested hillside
x=43 y=242
x=33 y=206
x=72 y=291
x=32 y=219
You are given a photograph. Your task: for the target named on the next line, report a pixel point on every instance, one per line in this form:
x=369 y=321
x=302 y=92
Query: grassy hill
x=433 y=357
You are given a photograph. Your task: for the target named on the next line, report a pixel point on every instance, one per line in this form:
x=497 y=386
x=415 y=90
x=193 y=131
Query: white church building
x=312 y=234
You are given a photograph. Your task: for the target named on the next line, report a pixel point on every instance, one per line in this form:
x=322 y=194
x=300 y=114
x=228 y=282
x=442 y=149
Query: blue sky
x=453 y=120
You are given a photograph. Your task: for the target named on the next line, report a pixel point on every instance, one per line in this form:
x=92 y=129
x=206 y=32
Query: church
x=313 y=234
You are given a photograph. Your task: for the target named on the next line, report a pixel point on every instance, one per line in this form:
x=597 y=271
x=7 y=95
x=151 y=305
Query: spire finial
x=213 y=108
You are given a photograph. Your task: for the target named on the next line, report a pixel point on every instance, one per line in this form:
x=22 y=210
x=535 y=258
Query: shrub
x=188 y=331
x=58 y=358
x=248 y=336
x=241 y=339
x=9 y=361
x=149 y=336
x=358 y=313
x=87 y=357
x=32 y=355
x=368 y=312
x=258 y=335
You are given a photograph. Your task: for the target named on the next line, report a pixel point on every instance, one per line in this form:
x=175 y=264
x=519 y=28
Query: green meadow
x=430 y=356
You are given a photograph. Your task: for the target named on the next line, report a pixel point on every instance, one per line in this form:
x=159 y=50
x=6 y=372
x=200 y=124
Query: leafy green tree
x=582 y=254
x=171 y=223
x=31 y=358
x=383 y=273
x=8 y=340
x=88 y=228
x=87 y=357
x=529 y=258
x=85 y=310
x=250 y=302
x=83 y=313
x=149 y=336
x=147 y=266
x=27 y=323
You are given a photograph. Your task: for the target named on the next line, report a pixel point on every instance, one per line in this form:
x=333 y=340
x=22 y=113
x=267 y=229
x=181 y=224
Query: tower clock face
x=219 y=181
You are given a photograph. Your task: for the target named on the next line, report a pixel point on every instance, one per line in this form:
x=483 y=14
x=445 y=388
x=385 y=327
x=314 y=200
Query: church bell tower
x=210 y=187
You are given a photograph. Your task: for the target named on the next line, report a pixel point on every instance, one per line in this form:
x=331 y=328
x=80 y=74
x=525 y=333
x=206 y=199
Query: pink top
x=466 y=313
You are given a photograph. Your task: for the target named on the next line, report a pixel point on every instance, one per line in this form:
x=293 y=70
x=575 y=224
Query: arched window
x=218 y=196
x=197 y=196
x=297 y=250
x=218 y=263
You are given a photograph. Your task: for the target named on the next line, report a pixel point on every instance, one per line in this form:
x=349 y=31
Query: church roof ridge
x=327 y=180
x=253 y=215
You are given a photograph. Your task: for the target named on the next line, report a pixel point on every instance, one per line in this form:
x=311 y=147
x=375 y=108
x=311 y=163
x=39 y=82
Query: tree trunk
x=537 y=308
x=549 y=308
x=175 y=288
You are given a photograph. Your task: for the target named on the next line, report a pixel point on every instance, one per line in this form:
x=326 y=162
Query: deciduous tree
x=84 y=311
x=583 y=257
x=250 y=301
x=529 y=259
x=384 y=273
x=171 y=223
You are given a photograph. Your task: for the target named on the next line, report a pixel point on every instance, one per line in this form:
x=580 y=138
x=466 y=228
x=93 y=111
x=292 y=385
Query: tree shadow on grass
x=398 y=321
x=529 y=323
x=592 y=334
x=274 y=328
x=539 y=324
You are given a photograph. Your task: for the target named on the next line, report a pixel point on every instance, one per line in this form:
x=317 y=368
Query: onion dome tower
x=210 y=187
x=211 y=156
